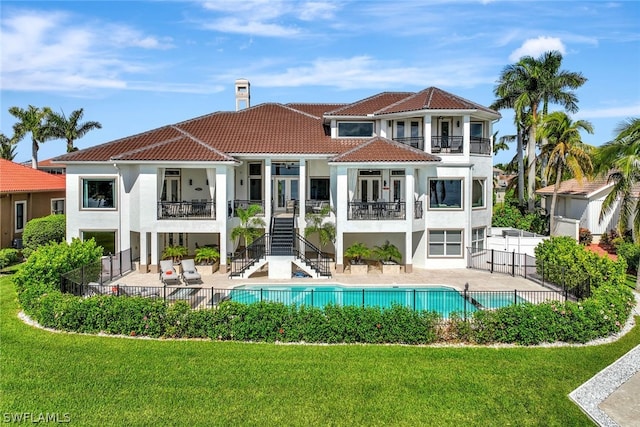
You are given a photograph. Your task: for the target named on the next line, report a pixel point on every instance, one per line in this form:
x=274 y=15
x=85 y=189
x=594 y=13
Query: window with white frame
x=476 y=130
x=445 y=193
x=57 y=206
x=105 y=239
x=355 y=129
x=478 y=193
x=98 y=193
x=477 y=239
x=445 y=243
x=20 y=210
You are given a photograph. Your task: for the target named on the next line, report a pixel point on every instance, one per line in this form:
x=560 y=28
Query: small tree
x=326 y=230
x=250 y=226
x=174 y=252
x=356 y=252
x=388 y=252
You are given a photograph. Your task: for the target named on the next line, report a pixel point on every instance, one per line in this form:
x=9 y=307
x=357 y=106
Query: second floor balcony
x=449 y=144
x=196 y=209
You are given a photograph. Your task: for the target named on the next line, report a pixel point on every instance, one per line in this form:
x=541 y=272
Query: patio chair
x=168 y=273
x=139 y=291
x=189 y=271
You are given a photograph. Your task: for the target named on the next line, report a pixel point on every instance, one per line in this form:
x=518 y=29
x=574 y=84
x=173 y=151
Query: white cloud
x=256 y=28
x=536 y=47
x=612 y=112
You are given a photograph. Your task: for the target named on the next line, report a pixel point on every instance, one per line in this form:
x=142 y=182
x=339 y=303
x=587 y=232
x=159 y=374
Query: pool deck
x=477 y=280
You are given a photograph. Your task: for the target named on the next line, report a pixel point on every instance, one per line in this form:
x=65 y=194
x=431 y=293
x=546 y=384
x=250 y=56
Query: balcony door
x=370 y=189
x=445 y=129
x=285 y=189
x=171 y=189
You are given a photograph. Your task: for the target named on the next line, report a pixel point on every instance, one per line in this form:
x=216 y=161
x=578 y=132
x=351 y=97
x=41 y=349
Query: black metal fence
x=445 y=301
x=103 y=271
x=552 y=276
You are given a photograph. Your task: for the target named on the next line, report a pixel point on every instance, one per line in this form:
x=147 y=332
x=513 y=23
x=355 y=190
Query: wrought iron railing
x=480 y=145
x=244 y=259
x=413 y=141
x=105 y=270
x=313 y=257
x=376 y=210
x=519 y=264
x=187 y=210
x=447 y=144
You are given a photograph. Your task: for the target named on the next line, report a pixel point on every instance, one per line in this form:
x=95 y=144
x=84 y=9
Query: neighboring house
x=411 y=168
x=26 y=193
x=579 y=205
x=501 y=182
x=50 y=167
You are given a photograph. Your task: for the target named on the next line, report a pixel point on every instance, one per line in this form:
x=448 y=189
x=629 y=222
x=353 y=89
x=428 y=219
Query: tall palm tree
x=7 y=147
x=564 y=151
x=250 y=225
x=620 y=159
x=534 y=83
x=33 y=120
x=69 y=129
x=316 y=224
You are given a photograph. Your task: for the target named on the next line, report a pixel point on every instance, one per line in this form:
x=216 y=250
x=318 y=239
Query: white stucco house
x=411 y=168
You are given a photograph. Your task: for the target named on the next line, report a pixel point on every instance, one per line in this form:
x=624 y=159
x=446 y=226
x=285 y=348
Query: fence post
x=363 y=298
x=513 y=263
x=515 y=297
x=525 y=266
x=492 y=260
x=414 y=299
x=466 y=299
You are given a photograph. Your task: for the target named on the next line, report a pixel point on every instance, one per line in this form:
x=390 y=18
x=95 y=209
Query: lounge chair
x=189 y=271
x=168 y=273
x=139 y=291
x=95 y=288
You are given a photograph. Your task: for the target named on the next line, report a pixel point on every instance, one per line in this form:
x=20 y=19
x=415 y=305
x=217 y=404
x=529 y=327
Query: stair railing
x=243 y=260
x=312 y=256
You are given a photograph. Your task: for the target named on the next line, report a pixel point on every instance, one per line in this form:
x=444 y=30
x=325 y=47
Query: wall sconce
x=241 y=182
x=384 y=183
x=207 y=182
x=190 y=182
x=458 y=124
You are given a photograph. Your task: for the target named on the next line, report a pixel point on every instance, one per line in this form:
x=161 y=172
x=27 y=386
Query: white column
x=222 y=196
x=267 y=189
x=409 y=201
x=427 y=132
x=302 y=189
x=155 y=259
x=341 y=207
x=144 y=254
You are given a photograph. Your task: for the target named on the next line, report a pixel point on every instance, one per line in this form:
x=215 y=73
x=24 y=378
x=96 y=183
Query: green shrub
x=631 y=254
x=8 y=256
x=41 y=272
x=508 y=214
x=41 y=231
x=561 y=260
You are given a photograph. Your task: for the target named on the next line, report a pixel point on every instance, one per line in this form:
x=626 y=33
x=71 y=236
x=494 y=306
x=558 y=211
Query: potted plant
x=356 y=254
x=207 y=255
x=175 y=252
x=388 y=255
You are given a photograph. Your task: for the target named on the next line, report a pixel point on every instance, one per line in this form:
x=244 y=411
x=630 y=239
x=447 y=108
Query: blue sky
x=135 y=66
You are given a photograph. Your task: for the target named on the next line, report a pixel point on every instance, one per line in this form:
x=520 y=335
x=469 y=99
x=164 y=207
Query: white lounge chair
x=168 y=273
x=189 y=271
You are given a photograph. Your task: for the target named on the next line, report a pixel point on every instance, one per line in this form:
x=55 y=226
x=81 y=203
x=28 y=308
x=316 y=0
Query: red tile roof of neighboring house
x=575 y=188
x=16 y=178
x=380 y=149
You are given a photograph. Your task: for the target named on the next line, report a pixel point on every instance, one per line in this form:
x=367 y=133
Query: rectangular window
x=477 y=239
x=106 y=239
x=477 y=193
x=255 y=169
x=20 y=215
x=476 y=130
x=319 y=189
x=415 y=129
x=445 y=243
x=400 y=130
x=355 y=129
x=445 y=194
x=255 y=189
x=98 y=193
x=57 y=206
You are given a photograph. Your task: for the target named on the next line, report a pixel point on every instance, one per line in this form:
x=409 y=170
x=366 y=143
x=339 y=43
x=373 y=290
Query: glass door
x=286 y=190
x=171 y=190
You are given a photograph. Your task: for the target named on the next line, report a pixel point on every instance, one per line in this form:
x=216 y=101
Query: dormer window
x=355 y=129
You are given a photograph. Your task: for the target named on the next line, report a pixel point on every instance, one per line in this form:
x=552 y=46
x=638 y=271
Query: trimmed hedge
x=40 y=231
x=8 y=257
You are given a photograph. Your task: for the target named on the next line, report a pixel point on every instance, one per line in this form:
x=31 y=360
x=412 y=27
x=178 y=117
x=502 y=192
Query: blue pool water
x=442 y=299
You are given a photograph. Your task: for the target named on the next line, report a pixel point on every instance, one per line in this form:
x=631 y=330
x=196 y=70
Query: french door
x=285 y=189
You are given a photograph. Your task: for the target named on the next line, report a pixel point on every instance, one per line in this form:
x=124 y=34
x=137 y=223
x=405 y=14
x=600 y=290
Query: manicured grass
x=122 y=381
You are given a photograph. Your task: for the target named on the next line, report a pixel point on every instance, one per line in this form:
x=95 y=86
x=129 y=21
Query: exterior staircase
x=282 y=233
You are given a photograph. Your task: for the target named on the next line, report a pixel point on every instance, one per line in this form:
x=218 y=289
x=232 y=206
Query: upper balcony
x=449 y=144
x=196 y=209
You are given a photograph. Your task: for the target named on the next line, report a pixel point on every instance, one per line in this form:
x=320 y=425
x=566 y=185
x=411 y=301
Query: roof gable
x=16 y=178
x=380 y=149
x=370 y=105
x=433 y=99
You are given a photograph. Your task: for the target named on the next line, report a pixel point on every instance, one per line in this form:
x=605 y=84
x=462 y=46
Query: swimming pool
x=442 y=299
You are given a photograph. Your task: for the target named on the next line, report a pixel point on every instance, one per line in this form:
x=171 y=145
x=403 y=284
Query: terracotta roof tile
x=380 y=149
x=370 y=105
x=317 y=110
x=572 y=187
x=433 y=99
x=16 y=178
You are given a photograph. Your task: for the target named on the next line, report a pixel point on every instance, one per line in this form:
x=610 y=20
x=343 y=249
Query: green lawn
x=121 y=381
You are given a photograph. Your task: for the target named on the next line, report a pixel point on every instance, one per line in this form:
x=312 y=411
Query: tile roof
x=270 y=128
x=572 y=187
x=380 y=149
x=16 y=178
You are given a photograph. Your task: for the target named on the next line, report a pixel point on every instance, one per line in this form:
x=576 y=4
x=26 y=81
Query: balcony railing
x=233 y=205
x=480 y=145
x=446 y=144
x=413 y=141
x=316 y=206
x=376 y=211
x=205 y=209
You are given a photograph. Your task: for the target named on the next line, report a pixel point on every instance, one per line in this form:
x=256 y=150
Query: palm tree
x=620 y=159
x=564 y=150
x=326 y=230
x=70 y=129
x=7 y=147
x=250 y=225
x=33 y=120
x=531 y=84
x=501 y=143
